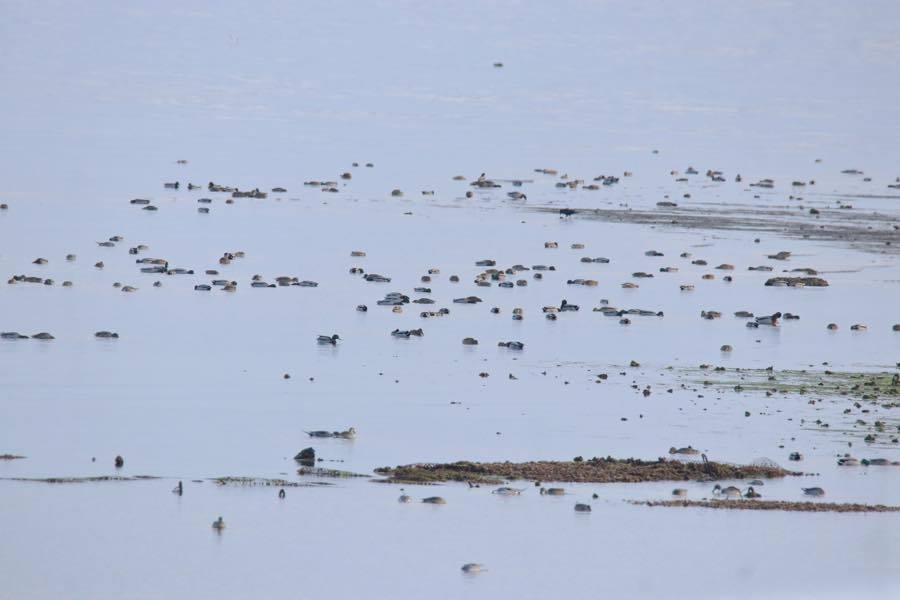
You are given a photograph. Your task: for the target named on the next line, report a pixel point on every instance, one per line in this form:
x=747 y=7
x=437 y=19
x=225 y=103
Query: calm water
x=100 y=101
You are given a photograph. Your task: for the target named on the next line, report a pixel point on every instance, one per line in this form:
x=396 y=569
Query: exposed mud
x=94 y=479
x=320 y=472
x=772 y=505
x=595 y=470
x=869 y=231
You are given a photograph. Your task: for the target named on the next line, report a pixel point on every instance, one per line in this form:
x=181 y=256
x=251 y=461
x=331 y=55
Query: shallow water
x=194 y=387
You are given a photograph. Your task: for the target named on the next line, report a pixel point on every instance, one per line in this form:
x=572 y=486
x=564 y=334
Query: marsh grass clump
x=594 y=470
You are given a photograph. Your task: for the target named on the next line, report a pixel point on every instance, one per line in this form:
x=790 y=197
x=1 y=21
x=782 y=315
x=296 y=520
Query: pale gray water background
x=99 y=101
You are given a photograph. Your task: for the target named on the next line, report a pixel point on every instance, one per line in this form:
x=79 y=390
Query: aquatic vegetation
x=594 y=470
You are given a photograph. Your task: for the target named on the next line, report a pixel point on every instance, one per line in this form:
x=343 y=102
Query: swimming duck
x=42 y=336
x=769 y=320
x=566 y=307
x=12 y=335
x=728 y=492
x=813 y=491
x=470 y=341
x=179 y=489
x=106 y=334
x=512 y=345
x=579 y=507
x=404 y=498
x=680 y=492
x=474 y=567
x=434 y=500
x=858 y=327
x=328 y=339
x=508 y=491
x=751 y=493
x=219 y=524
x=552 y=492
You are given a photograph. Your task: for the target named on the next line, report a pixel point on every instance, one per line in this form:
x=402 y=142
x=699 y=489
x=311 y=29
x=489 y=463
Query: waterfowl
x=171 y=186
x=579 y=507
x=219 y=524
x=404 y=498
x=475 y=567
x=688 y=450
x=552 y=492
x=119 y=462
x=769 y=320
x=39 y=261
x=470 y=341
x=106 y=334
x=12 y=335
x=328 y=339
x=281 y=494
x=42 y=336
x=434 y=500
x=566 y=307
x=726 y=348
x=813 y=491
x=751 y=493
x=858 y=327
x=679 y=492
x=512 y=345
x=347 y=434
x=179 y=489
x=728 y=492
x=743 y=314
x=508 y=491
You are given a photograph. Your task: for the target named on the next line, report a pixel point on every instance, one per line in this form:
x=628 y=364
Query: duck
x=580 y=507
x=106 y=334
x=728 y=492
x=566 y=307
x=512 y=345
x=12 y=335
x=328 y=339
x=282 y=494
x=470 y=341
x=179 y=489
x=404 y=498
x=508 y=491
x=751 y=493
x=434 y=500
x=219 y=524
x=688 y=450
x=347 y=434
x=552 y=492
x=473 y=567
x=813 y=491
x=858 y=327
x=42 y=336
x=679 y=492
x=769 y=320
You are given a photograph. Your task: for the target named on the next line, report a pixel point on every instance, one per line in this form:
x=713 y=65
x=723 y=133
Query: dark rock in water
x=306 y=457
x=794 y=281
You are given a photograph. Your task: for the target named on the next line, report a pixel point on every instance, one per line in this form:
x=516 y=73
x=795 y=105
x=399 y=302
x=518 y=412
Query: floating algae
x=262 y=481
